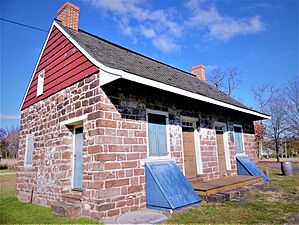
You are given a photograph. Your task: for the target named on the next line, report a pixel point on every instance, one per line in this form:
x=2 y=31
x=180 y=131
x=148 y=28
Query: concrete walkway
x=145 y=216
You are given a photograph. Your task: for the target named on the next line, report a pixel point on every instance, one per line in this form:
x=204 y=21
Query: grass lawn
x=274 y=207
x=14 y=212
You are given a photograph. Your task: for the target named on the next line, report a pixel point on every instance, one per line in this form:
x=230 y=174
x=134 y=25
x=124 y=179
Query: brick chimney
x=199 y=71
x=68 y=14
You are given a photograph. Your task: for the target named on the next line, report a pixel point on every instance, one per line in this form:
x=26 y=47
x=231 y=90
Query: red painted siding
x=64 y=65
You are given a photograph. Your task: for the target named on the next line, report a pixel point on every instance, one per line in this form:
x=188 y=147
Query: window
x=219 y=128
x=29 y=150
x=239 y=139
x=40 y=83
x=187 y=124
x=157 y=134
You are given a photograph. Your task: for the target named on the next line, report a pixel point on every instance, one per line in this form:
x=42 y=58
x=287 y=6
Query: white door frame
x=226 y=145
x=168 y=156
x=198 y=159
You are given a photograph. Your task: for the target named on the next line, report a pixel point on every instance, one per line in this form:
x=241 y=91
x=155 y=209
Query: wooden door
x=189 y=153
x=77 y=177
x=221 y=153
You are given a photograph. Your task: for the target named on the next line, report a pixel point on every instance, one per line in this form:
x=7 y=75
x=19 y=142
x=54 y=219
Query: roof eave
x=112 y=74
x=165 y=87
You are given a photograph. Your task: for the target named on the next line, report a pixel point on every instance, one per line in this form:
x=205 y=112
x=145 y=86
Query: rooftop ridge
x=132 y=51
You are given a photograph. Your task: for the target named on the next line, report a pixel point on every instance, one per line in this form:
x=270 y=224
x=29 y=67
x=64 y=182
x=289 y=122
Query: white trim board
x=182 y=150
x=199 y=163
x=225 y=142
x=74 y=120
x=189 y=94
x=145 y=81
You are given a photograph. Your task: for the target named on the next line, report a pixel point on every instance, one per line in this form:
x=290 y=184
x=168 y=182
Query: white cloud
x=165 y=44
x=124 y=25
x=138 y=21
x=165 y=27
x=206 y=16
x=9 y=116
x=209 y=68
x=229 y=28
x=148 y=32
x=119 y=6
x=258 y=5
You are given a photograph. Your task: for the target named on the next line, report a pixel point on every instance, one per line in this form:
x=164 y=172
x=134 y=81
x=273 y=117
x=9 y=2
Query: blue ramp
x=246 y=167
x=167 y=188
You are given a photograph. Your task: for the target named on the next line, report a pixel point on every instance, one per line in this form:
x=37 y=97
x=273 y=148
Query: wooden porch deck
x=223 y=184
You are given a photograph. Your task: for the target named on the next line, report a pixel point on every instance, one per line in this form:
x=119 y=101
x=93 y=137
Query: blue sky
x=258 y=37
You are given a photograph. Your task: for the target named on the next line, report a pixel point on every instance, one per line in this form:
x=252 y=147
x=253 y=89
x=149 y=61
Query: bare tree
x=225 y=80
x=291 y=94
x=277 y=127
x=13 y=141
x=216 y=78
x=259 y=130
x=264 y=94
x=3 y=144
x=233 y=80
x=9 y=142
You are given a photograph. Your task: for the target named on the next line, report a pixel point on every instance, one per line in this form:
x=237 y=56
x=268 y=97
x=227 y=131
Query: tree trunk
x=277 y=152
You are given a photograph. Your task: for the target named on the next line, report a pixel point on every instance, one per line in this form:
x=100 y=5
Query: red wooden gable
x=64 y=65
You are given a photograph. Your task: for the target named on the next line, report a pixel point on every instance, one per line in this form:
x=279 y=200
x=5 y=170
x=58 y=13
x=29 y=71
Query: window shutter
x=152 y=139
x=162 y=138
x=29 y=150
x=239 y=140
x=157 y=138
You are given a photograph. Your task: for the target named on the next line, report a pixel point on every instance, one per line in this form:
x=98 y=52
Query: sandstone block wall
x=114 y=148
x=114 y=145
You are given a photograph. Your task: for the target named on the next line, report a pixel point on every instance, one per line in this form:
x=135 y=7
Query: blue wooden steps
x=246 y=167
x=167 y=188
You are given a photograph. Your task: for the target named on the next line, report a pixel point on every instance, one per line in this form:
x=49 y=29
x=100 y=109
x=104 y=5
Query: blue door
x=157 y=135
x=239 y=140
x=77 y=182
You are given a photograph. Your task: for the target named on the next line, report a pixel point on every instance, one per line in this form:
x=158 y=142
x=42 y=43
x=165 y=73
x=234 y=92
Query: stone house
x=94 y=113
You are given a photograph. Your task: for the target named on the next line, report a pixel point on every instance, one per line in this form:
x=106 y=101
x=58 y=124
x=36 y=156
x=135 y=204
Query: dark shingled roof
x=118 y=57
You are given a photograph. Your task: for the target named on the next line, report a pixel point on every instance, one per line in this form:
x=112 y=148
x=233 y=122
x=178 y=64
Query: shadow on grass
x=13 y=211
x=279 y=174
